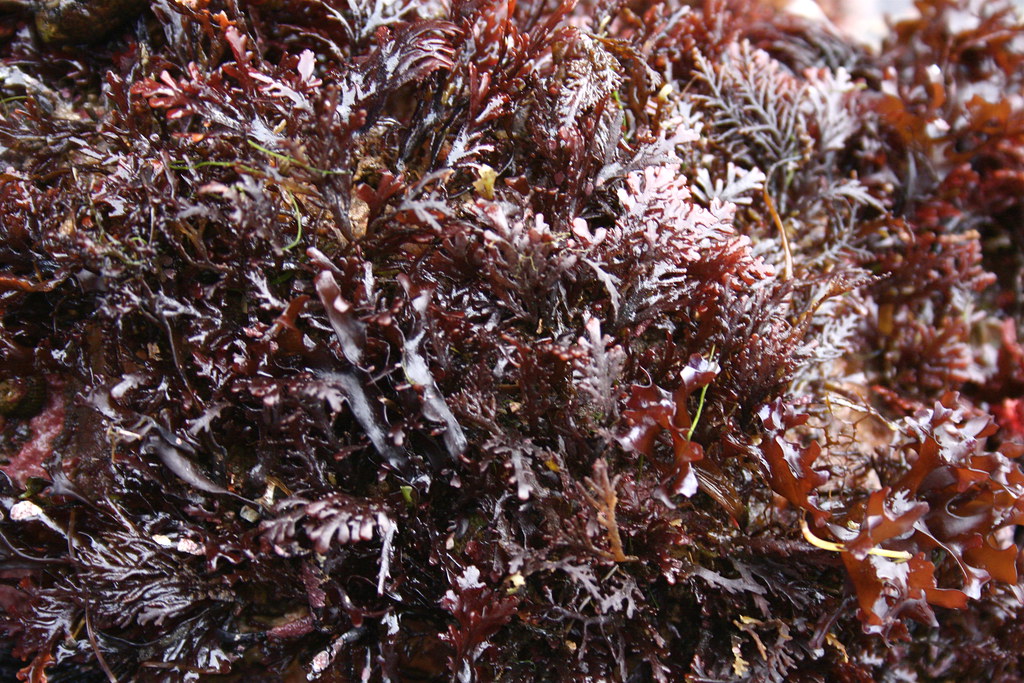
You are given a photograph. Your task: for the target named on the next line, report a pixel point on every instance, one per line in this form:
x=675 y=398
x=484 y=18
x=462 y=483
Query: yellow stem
x=787 y=273
x=899 y=555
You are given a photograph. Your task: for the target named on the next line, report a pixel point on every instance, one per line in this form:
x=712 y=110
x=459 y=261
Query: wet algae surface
x=509 y=341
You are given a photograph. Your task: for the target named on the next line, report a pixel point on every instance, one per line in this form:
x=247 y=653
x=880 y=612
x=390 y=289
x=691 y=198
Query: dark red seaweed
x=511 y=340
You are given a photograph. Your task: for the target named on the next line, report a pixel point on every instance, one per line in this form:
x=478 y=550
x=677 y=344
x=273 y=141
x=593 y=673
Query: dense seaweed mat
x=512 y=341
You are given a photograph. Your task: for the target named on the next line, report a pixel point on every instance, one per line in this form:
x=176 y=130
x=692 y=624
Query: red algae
x=661 y=341
x=44 y=429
